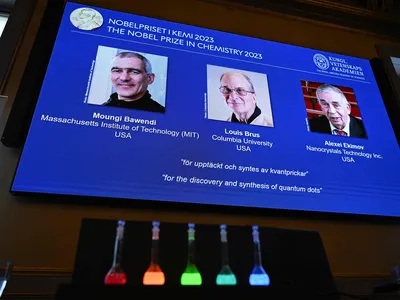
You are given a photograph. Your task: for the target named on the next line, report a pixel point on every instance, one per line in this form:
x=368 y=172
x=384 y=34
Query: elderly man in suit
x=336 y=118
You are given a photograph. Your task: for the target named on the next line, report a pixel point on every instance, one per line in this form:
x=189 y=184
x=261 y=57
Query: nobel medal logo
x=86 y=18
x=321 y=61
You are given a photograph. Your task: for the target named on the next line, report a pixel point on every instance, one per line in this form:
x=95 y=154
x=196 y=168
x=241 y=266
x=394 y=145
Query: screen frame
x=24 y=104
x=28 y=94
x=385 y=52
x=18 y=18
x=390 y=85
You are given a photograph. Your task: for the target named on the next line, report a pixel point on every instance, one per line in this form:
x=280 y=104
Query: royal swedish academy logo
x=321 y=61
x=86 y=18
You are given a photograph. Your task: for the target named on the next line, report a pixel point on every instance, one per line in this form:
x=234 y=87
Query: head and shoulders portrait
x=238 y=96
x=332 y=110
x=129 y=79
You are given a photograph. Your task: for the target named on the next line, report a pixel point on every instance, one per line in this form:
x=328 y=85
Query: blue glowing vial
x=258 y=276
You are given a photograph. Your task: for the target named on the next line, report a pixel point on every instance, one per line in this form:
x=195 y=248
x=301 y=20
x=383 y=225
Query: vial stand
x=258 y=276
x=116 y=275
x=191 y=275
x=154 y=275
x=225 y=276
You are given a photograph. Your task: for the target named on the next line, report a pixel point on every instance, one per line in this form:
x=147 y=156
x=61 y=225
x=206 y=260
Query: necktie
x=340 y=132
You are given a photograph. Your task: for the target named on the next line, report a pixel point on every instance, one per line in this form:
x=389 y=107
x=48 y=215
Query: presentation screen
x=138 y=108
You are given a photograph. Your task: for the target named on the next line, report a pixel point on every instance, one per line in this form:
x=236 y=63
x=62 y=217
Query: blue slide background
x=82 y=160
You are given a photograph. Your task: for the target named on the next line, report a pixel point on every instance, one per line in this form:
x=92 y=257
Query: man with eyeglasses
x=336 y=118
x=131 y=74
x=240 y=96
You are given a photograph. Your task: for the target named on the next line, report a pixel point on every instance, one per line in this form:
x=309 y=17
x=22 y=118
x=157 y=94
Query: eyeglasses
x=240 y=91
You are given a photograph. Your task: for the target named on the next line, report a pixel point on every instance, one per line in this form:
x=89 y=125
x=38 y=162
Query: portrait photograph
x=238 y=96
x=332 y=109
x=128 y=79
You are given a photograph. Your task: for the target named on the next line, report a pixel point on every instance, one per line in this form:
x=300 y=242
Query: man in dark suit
x=336 y=117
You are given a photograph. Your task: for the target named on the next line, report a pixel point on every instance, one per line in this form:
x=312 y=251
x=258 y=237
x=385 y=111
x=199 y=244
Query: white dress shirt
x=346 y=128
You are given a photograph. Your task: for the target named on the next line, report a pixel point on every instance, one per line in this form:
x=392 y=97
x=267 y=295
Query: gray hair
x=328 y=87
x=146 y=62
x=245 y=76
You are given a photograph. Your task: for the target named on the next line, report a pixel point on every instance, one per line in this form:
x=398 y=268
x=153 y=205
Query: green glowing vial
x=191 y=275
x=225 y=276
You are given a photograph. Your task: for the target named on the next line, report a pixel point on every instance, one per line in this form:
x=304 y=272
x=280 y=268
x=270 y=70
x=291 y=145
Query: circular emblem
x=86 y=18
x=321 y=61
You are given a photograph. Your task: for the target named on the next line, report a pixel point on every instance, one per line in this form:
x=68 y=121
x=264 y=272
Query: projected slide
x=139 y=108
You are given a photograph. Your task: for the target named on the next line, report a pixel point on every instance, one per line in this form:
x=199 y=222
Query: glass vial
x=225 y=276
x=258 y=276
x=116 y=275
x=154 y=275
x=191 y=275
